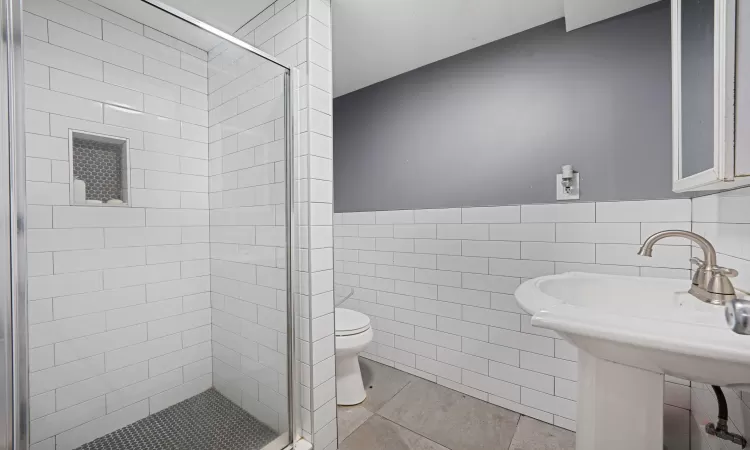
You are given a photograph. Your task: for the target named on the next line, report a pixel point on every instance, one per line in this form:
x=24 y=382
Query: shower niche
x=99 y=169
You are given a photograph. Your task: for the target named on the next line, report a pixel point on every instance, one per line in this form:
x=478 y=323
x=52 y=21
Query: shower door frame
x=14 y=356
x=14 y=363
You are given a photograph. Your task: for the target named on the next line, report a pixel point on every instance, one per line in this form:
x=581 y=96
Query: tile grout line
x=407 y=428
x=520 y=416
x=394 y=395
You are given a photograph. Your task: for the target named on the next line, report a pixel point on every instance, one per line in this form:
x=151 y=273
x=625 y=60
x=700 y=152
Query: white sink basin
x=650 y=323
x=631 y=331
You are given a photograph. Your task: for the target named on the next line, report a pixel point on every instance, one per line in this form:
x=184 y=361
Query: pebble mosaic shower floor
x=207 y=421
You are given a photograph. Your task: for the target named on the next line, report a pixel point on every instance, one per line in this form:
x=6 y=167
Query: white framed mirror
x=704 y=113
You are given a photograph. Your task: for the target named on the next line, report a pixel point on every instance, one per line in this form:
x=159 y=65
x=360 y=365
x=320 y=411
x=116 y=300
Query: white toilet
x=353 y=333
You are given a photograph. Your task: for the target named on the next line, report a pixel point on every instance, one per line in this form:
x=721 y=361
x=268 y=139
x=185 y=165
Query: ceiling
x=374 y=40
x=378 y=39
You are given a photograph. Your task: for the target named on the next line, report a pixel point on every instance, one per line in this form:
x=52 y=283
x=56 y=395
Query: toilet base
x=350 y=389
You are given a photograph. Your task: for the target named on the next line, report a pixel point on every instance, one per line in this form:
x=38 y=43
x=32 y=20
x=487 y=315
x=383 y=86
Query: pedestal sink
x=630 y=331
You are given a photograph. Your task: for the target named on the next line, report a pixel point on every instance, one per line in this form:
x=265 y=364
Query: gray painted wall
x=493 y=125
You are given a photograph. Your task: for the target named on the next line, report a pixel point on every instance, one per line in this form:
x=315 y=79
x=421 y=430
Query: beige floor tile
x=380 y=434
x=350 y=418
x=535 y=435
x=451 y=418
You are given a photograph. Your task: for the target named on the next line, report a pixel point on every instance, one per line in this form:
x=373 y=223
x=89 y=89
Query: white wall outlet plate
x=575 y=189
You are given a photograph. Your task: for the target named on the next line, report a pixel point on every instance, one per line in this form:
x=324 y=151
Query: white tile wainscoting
x=438 y=286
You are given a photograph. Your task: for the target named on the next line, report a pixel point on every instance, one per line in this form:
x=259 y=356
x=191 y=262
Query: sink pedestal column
x=619 y=407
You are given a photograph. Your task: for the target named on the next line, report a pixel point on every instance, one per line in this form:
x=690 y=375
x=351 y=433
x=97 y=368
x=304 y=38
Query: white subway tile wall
x=438 y=287
x=724 y=219
x=119 y=297
x=316 y=185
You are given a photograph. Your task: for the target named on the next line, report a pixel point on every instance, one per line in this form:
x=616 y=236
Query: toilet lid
x=349 y=322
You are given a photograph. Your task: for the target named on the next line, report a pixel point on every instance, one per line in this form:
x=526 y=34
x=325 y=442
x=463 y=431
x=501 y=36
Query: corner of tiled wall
x=316 y=113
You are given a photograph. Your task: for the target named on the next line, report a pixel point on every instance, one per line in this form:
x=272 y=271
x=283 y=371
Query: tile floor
x=404 y=412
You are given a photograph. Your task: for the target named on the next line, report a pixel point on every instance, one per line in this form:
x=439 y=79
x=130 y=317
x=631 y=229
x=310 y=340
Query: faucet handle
x=731 y=273
x=697 y=261
x=727 y=272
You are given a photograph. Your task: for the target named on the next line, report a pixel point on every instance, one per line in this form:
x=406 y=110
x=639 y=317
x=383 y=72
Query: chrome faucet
x=711 y=283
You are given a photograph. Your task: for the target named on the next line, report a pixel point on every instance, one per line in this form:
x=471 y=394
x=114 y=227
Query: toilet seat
x=350 y=322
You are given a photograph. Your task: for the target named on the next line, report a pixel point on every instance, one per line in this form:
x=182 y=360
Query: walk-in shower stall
x=149 y=273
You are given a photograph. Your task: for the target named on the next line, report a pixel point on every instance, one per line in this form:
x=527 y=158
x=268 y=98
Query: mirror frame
x=722 y=174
